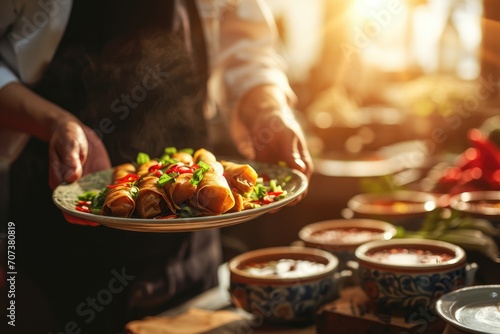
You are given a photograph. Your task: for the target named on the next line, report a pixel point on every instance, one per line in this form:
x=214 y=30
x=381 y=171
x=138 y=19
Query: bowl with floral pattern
x=409 y=273
x=284 y=284
x=342 y=236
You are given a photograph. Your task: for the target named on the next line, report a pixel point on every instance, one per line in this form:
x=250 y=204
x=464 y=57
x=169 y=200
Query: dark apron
x=126 y=63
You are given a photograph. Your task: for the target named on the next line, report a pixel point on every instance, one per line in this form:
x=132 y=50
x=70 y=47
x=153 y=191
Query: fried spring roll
x=122 y=170
x=241 y=177
x=179 y=191
x=208 y=158
x=143 y=169
x=213 y=195
x=183 y=157
x=151 y=200
x=119 y=202
x=239 y=203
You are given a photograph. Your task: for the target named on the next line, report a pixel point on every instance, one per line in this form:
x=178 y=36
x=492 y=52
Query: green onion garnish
x=198 y=174
x=142 y=158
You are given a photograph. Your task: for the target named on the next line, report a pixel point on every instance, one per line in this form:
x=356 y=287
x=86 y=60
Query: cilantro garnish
x=170 y=150
x=142 y=158
x=198 y=174
x=166 y=178
x=190 y=151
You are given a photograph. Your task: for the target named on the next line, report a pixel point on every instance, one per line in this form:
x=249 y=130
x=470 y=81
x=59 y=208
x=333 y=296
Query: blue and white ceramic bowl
x=341 y=237
x=411 y=273
x=284 y=284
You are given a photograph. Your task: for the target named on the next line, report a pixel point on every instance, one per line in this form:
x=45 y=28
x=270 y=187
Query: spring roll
x=208 y=158
x=241 y=177
x=179 y=191
x=183 y=157
x=119 y=202
x=151 y=200
x=143 y=169
x=239 y=202
x=213 y=195
x=122 y=170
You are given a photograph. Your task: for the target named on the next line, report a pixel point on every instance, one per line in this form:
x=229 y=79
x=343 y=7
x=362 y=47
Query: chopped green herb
x=283 y=195
x=273 y=185
x=134 y=191
x=198 y=174
x=166 y=178
x=166 y=160
x=258 y=192
x=190 y=151
x=98 y=200
x=142 y=158
x=170 y=150
x=186 y=211
x=88 y=196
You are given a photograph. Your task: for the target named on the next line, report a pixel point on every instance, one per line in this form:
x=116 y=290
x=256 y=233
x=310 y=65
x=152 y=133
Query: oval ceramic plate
x=66 y=195
x=474 y=309
x=477 y=202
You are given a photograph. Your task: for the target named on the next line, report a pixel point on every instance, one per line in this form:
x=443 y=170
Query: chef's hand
x=274 y=134
x=74 y=150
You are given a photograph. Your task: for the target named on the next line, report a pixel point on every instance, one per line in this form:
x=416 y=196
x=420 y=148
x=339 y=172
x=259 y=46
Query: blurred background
x=387 y=89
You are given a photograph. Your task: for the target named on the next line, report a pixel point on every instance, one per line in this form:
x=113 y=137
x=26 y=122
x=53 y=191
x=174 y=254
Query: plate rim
x=450 y=299
x=185 y=224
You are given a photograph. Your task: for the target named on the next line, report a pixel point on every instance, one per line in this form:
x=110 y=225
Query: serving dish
x=66 y=195
x=411 y=273
x=474 y=309
x=482 y=203
x=345 y=234
x=342 y=236
x=284 y=284
x=401 y=207
x=397 y=205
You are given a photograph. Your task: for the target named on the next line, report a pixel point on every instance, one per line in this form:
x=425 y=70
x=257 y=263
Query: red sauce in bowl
x=409 y=256
x=348 y=235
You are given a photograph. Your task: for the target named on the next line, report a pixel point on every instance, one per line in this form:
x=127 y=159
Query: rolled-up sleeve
x=246 y=54
x=30 y=32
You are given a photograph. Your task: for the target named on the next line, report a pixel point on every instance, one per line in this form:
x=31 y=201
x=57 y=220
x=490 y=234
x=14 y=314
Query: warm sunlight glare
x=432 y=35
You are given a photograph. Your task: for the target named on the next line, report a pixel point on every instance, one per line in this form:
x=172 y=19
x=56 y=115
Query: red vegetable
x=155 y=167
x=128 y=178
x=181 y=169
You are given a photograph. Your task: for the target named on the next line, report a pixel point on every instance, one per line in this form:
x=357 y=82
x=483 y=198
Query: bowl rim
x=462 y=202
x=360 y=203
x=331 y=266
x=362 y=258
x=387 y=231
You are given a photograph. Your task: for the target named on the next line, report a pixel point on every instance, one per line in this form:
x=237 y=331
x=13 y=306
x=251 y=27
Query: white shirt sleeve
x=7 y=18
x=30 y=32
x=242 y=37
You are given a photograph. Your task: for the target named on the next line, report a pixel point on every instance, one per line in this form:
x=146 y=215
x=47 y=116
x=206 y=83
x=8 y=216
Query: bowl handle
x=470 y=273
x=340 y=279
